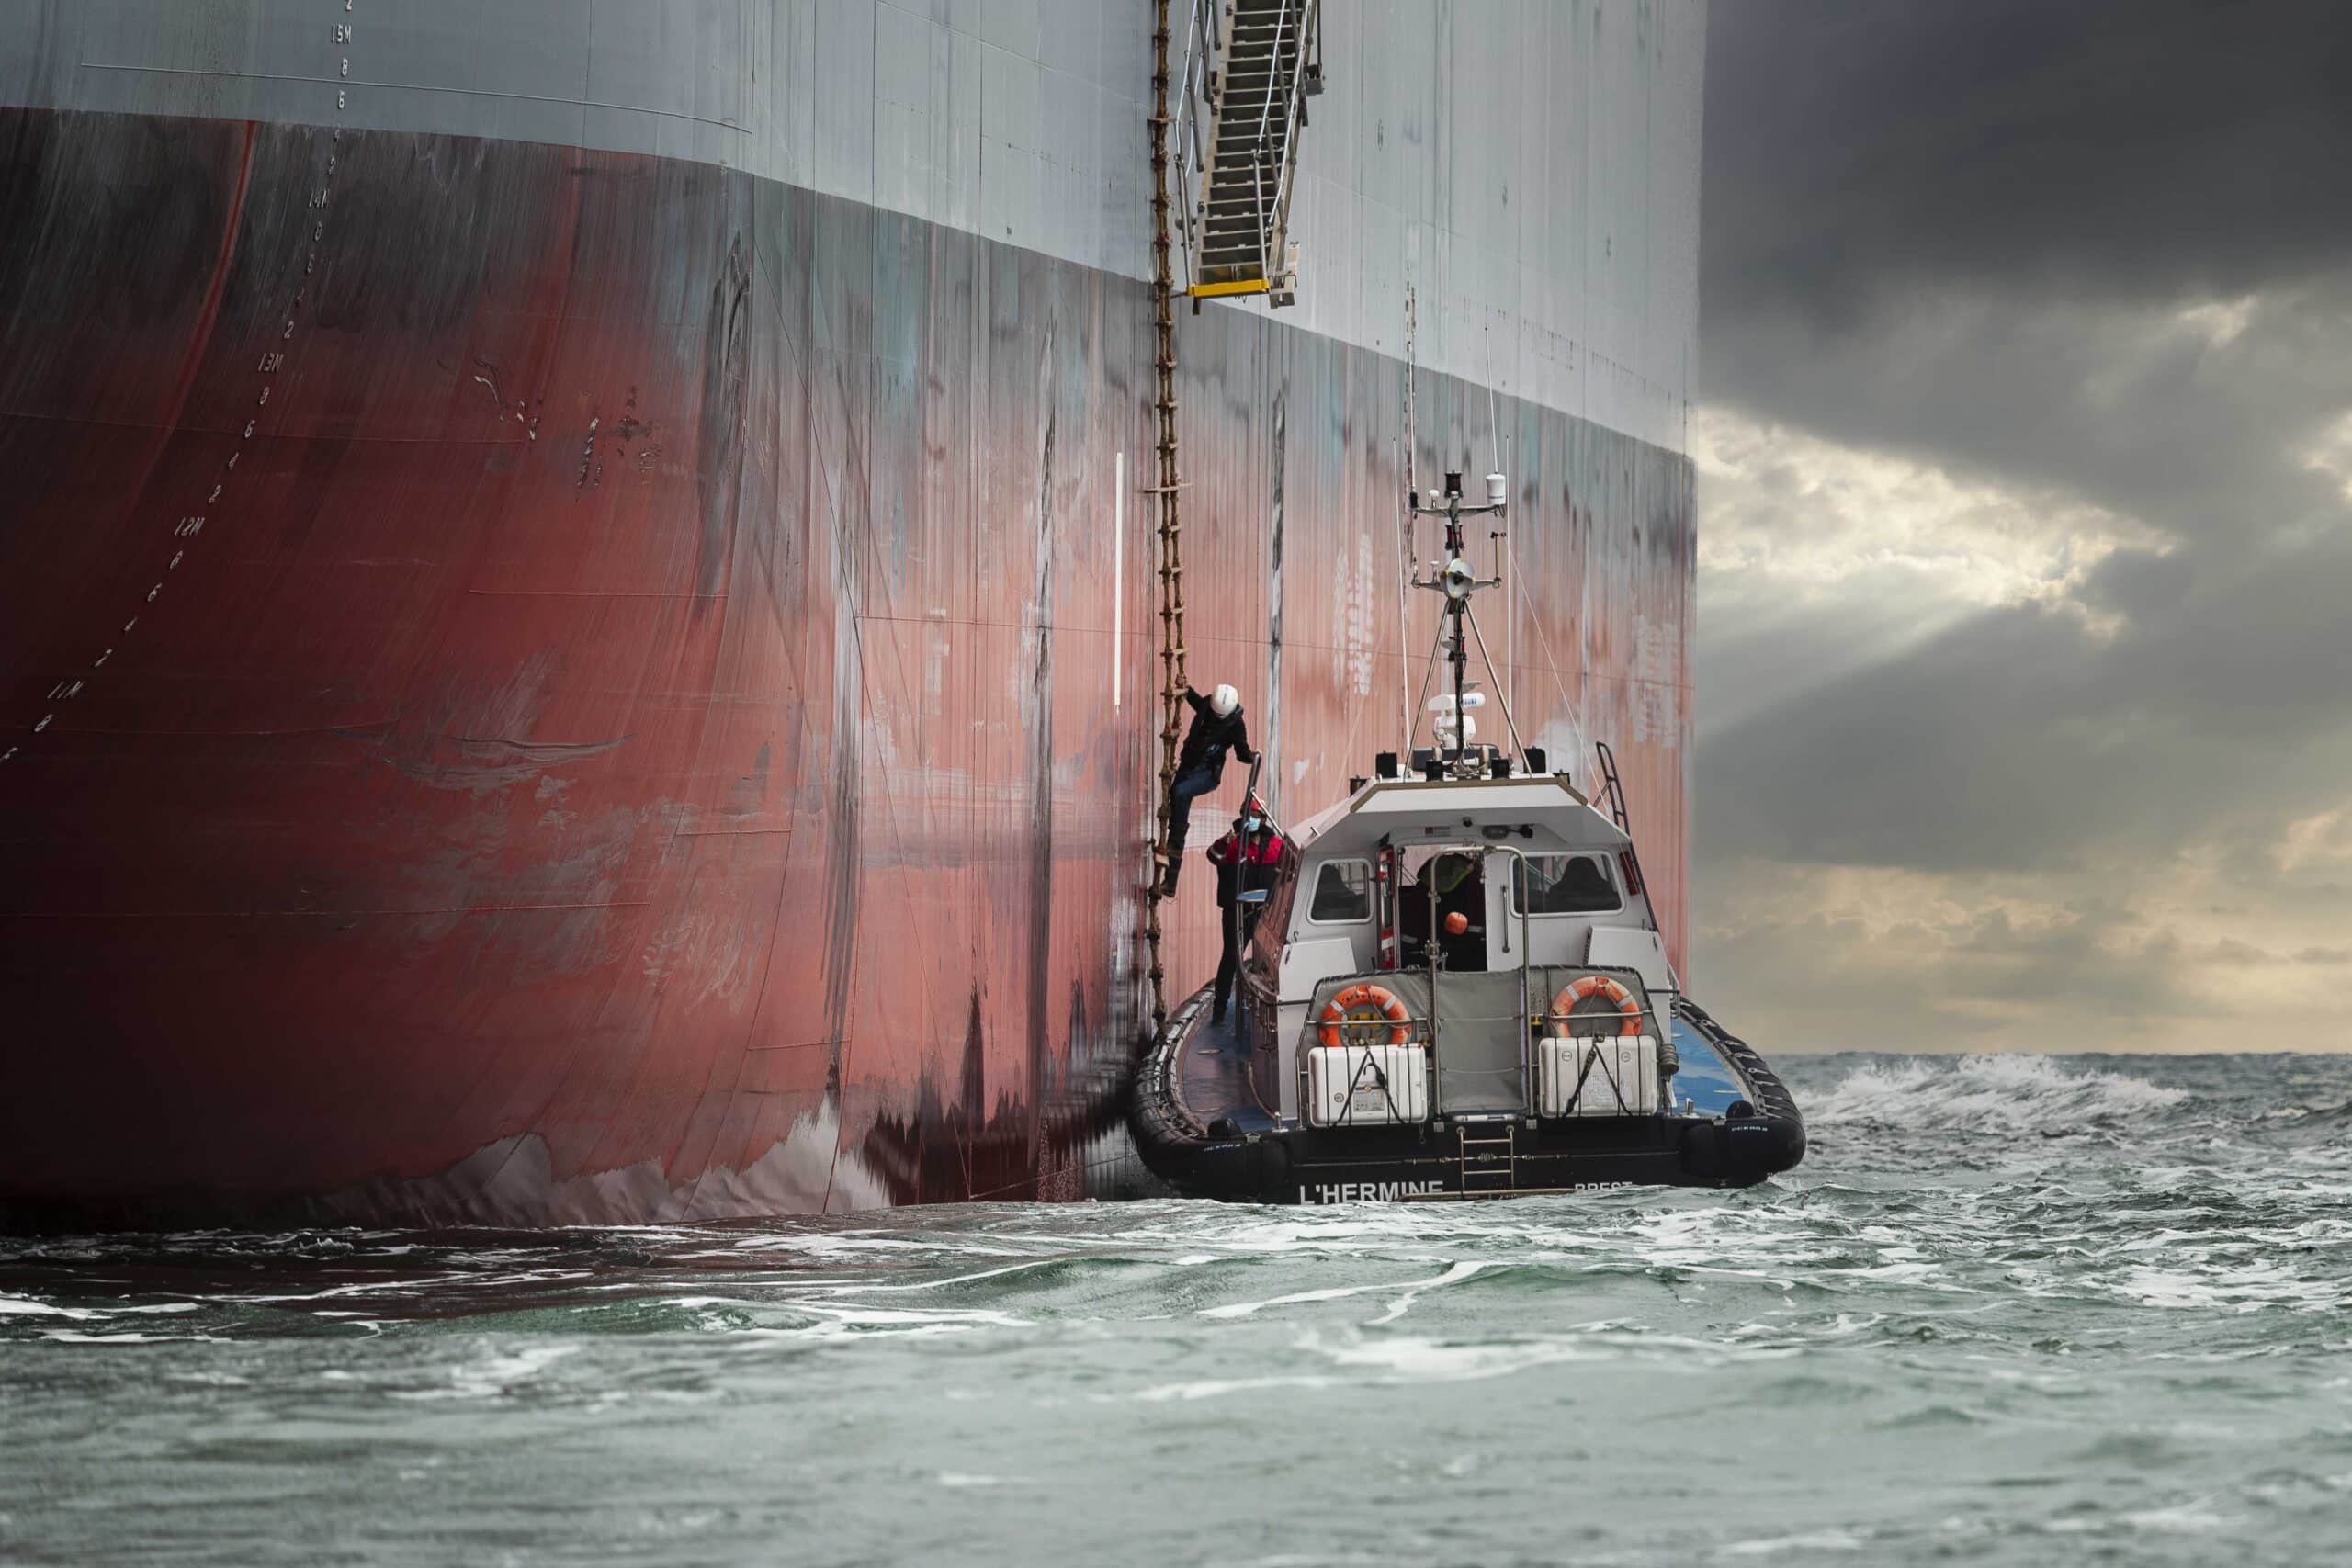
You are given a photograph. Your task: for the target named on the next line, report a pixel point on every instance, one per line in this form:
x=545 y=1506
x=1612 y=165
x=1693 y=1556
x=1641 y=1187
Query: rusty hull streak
x=822 y=891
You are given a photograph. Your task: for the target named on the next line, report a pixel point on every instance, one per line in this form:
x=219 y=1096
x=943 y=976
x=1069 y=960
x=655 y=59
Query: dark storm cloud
x=2128 y=149
x=1939 y=228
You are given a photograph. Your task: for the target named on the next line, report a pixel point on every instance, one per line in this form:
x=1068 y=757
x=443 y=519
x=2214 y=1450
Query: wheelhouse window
x=1563 y=885
x=1342 y=894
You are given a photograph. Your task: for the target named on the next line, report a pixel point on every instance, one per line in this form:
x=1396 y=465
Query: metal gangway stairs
x=1250 y=65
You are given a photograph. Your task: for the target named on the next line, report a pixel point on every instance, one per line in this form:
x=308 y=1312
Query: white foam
x=1410 y=1358
x=1817 y=1540
x=1338 y=1293
x=863 y=1288
x=495 y=1376
x=77 y=1337
x=2200 y=1279
x=840 y=1320
x=2187 y=1518
x=2029 y=1095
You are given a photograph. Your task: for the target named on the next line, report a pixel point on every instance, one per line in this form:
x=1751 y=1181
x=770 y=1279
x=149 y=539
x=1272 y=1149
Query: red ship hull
x=552 y=685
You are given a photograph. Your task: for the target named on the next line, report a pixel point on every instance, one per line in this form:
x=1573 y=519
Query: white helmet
x=1224 y=700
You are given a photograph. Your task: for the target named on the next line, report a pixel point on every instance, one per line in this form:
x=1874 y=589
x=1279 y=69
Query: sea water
x=2010 y=1310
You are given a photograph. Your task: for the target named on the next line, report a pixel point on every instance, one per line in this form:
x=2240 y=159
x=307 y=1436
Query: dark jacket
x=1244 y=864
x=1210 y=738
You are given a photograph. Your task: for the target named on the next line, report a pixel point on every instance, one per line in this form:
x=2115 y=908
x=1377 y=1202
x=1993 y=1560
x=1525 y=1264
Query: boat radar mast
x=1452 y=728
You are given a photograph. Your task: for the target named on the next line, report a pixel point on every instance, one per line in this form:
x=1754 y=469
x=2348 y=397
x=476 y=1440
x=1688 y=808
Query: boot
x=1168 y=883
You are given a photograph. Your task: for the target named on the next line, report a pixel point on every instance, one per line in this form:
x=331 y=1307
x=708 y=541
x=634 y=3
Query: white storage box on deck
x=1366 y=1084
x=1618 y=1074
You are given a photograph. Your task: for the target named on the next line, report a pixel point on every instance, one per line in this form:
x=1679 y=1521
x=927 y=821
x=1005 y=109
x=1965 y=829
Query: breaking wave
x=2026 y=1096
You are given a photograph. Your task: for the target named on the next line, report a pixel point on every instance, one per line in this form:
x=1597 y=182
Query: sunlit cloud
x=2332 y=454
x=2218 y=321
x=1816 y=557
x=2322 y=841
x=1789 y=513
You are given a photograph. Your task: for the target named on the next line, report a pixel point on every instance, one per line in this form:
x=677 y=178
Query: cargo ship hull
x=553 y=683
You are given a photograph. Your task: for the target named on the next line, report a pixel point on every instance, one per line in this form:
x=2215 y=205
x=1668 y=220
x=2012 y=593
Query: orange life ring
x=1335 y=1012
x=1595 y=986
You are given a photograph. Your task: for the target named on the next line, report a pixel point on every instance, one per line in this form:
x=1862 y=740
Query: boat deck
x=1212 y=1075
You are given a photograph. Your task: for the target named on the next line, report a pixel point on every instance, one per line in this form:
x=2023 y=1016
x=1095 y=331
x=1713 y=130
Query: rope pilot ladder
x=1174 y=679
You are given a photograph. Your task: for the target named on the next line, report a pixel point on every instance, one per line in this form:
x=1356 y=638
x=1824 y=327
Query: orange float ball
x=1457 y=923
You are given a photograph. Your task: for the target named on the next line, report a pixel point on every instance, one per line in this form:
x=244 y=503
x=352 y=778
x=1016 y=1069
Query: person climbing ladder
x=1218 y=727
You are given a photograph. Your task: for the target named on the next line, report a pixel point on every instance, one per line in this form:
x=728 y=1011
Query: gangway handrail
x=1200 y=27
x=1279 y=234
x=1257 y=146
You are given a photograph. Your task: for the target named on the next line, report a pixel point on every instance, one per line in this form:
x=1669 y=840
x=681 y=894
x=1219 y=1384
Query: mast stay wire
x=1549 y=663
x=1405 y=716
x=1511 y=726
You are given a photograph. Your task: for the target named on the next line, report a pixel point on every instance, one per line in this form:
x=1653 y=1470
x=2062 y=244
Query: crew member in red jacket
x=1245 y=861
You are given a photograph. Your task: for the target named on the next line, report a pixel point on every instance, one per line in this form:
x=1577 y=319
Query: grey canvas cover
x=1481 y=1041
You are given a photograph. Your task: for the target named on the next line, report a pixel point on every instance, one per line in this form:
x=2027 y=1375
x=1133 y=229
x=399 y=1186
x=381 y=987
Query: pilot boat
x=1456 y=988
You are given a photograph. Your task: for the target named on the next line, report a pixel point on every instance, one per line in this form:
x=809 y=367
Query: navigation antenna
x=1452 y=728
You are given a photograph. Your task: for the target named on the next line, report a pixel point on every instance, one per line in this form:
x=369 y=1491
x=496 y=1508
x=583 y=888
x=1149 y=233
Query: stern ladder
x=1489 y=1156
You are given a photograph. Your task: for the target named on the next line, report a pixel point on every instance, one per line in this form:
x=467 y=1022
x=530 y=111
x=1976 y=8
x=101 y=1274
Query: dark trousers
x=1236 y=932
x=1188 y=788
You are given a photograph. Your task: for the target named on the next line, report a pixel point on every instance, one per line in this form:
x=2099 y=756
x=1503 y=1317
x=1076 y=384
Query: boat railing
x=1557 y=1021
x=1420 y=1031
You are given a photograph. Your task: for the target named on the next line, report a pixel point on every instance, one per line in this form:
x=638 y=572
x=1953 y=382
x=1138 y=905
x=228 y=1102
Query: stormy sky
x=2025 y=646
